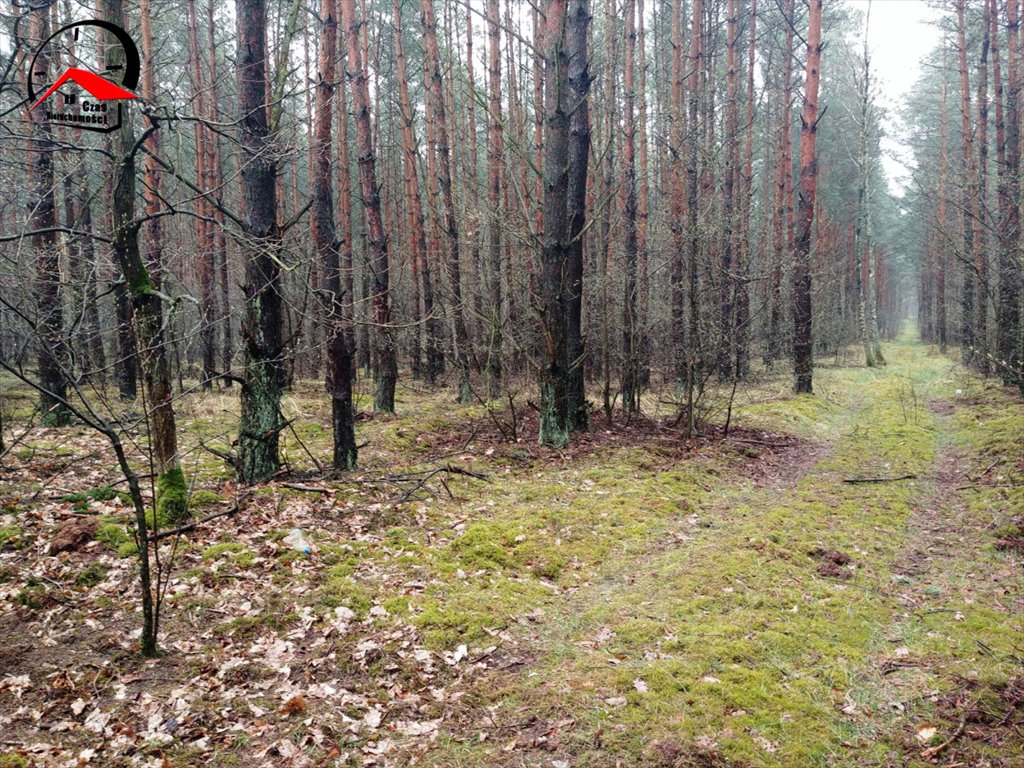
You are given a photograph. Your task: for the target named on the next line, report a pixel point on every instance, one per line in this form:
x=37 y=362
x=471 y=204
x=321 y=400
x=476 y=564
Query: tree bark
x=980 y=206
x=783 y=209
x=968 y=199
x=863 y=215
x=1009 y=265
x=578 y=89
x=42 y=217
x=436 y=117
x=677 y=198
x=494 y=177
x=803 y=353
x=217 y=180
x=414 y=207
x=554 y=383
x=630 y=369
x=746 y=180
x=263 y=381
x=339 y=354
x=693 y=345
x=386 y=362
x=205 y=238
x=729 y=281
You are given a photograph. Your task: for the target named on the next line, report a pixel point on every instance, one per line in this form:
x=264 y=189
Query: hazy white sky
x=901 y=33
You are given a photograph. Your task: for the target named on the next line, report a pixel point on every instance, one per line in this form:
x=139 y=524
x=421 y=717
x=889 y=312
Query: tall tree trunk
x=693 y=345
x=677 y=198
x=863 y=215
x=494 y=178
x=980 y=206
x=783 y=209
x=554 y=379
x=263 y=381
x=874 y=275
x=205 y=238
x=643 y=208
x=578 y=89
x=417 y=227
x=743 y=255
x=803 y=352
x=339 y=354
x=436 y=117
x=91 y=322
x=470 y=183
x=344 y=231
x=217 y=169
x=42 y=212
x=940 y=287
x=968 y=198
x=151 y=168
x=125 y=360
x=386 y=362
x=607 y=204
x=733 y=185
x=1008 y=264
x=630 y=374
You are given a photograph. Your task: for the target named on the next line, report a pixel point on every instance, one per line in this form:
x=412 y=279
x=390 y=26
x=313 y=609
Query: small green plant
x=202 y=497
x=211 y=553
x=111 y=532
x=91 y=576
x=11 y=760
x=80 y=499
x=33 y=595
x=11 y=537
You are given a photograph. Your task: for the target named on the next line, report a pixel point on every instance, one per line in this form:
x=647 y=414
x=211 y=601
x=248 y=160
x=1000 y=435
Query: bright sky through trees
x=901 y=33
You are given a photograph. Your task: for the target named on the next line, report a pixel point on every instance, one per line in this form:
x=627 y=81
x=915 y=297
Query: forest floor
x=837 y=582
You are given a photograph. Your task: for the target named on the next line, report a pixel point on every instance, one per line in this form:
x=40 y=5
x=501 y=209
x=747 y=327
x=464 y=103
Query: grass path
x=739 y=632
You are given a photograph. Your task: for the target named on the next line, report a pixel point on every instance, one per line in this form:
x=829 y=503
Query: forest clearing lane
x=774 y=630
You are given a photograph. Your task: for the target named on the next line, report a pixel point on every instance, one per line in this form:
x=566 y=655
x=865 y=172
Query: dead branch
x=933 y=751
x=878 y=479
x=193 y=524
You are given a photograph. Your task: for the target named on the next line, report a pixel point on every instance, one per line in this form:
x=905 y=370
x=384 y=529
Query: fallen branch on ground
x=761 y=442
x=933 y=751
x=193 y=524
x=878 y=479
x=306 y=488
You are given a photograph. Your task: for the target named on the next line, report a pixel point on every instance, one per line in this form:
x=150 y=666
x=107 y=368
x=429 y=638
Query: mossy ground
x=641 y=600
x=730 y=641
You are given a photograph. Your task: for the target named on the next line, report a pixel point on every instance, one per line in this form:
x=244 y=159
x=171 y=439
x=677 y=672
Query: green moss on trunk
x=172 y=496
x=259 y=435
x=554 y=427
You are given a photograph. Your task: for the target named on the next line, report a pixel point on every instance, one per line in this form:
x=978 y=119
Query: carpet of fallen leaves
x=253 y=671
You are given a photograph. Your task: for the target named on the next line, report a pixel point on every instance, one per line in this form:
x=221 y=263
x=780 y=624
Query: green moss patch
x=92 y=575
x=11 y=537
x=172 y=497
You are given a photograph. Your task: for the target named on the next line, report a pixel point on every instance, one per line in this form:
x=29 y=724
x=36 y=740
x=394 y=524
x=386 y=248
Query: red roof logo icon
x=101 y=89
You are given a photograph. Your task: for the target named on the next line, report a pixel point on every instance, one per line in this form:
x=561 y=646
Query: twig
x=229 y=458
x=194 y=524
x=988 y=469
x=298 y=439
x=933 y=751
x=979 y=486
x=306 y=488
x=761 y=442
x=878 y=479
